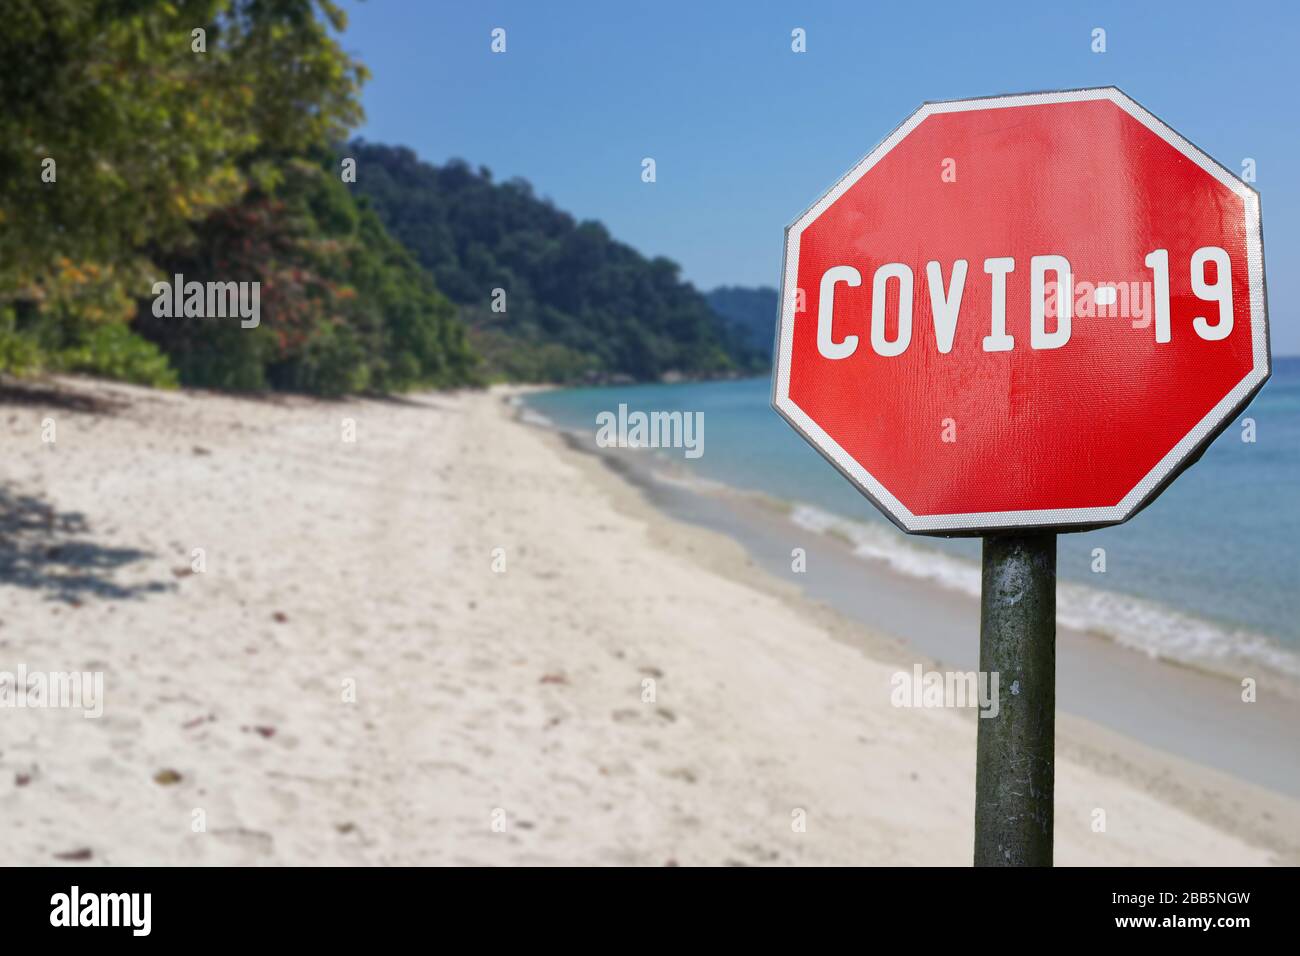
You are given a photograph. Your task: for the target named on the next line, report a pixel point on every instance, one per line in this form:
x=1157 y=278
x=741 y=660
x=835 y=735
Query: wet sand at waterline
x=1198 y=715
x=515 y=698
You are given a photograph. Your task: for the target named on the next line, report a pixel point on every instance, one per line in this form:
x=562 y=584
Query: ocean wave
x=531 y=416
x=1136 y=623
x=675 y=477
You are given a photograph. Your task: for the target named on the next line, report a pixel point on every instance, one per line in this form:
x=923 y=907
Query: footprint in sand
x=252 y=842
x=685 y=774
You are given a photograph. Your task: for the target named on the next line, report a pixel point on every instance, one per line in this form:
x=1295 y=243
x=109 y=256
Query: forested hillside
x=201 y=139
x=547 y=298
x=752 y=312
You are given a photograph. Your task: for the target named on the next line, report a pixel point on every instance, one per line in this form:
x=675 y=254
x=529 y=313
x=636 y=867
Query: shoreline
x=1187 y=707
x=1153 y=624
x=1258 y=814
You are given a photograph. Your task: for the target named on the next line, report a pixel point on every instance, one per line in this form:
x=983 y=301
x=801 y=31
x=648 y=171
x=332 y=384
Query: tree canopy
x=139 y=137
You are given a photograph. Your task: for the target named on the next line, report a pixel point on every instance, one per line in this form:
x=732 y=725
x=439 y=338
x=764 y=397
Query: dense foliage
x=573 y=302
x=344 y=306
x=143 y=138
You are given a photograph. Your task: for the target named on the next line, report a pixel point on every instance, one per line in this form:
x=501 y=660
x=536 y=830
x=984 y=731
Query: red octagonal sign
x=1022 y=312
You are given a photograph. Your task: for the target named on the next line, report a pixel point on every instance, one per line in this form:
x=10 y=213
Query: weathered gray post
x=1014 y=769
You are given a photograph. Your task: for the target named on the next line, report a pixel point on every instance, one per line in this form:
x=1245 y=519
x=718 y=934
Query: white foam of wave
x=1132 y=622
x=679 y=478
x=531 y=416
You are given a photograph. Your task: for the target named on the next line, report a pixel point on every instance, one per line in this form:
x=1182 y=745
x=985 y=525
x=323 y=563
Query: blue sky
x=745 y=133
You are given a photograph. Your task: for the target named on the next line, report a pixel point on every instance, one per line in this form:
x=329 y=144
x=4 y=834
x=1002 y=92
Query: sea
x=1206 y=576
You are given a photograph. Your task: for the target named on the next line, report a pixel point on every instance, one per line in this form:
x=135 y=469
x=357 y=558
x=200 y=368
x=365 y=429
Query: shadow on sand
x=37 y=395
x=47 y=550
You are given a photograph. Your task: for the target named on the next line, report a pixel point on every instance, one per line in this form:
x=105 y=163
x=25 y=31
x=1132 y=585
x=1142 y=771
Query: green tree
x=146 y=134
x=146 y=138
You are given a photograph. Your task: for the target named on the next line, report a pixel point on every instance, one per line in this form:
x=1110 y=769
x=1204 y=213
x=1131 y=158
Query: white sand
x=475 y=691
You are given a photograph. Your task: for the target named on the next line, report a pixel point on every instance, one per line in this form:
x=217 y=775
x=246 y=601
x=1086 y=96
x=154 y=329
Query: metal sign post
x=1014 y=773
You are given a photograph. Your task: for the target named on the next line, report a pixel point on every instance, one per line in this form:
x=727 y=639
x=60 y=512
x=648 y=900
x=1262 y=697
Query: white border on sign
x=1165 y=470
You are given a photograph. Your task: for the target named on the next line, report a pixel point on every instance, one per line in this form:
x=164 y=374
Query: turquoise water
x=1204 y=572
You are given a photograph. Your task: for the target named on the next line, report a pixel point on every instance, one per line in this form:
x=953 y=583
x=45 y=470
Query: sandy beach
x=438 y=644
